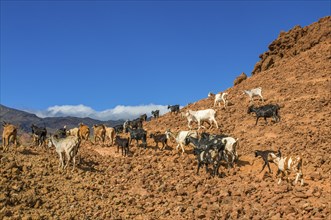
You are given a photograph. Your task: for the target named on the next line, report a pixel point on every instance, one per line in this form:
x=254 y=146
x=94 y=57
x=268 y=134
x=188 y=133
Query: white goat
x=180 y=137
x=73 y=132
x=230 y=148
x=201 y=116
x=69 y=146
x=254 y=92
x=219 y=97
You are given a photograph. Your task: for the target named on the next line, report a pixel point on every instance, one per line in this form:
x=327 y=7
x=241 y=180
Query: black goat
x=118 y=128
x=173 y=108
x=143 y=117
x=138 y=134
x=210 y=155
x=197 y=143
x=159 y=138
x=39 y=134
x=61 y=132
x=134 y=124
x=266 y=111
x=265 y=155
x=207 y=136
x=205 y=143
x=122 y=143
x=156 y=113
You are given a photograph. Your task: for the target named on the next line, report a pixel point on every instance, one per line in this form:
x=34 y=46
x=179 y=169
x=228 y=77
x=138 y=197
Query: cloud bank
x=82 y=111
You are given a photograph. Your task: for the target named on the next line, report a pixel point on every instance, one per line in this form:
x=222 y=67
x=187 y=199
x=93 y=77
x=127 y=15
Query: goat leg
x=216 y=167
x=74 y=162
x=257 y=119
x=269 y=168
x=199 y=164
x=264 y=166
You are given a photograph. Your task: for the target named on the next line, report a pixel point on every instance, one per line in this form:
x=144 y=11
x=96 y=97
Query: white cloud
x=119 y=112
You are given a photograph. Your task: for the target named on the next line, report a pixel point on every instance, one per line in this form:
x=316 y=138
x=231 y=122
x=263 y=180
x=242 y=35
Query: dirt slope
x=153 y=184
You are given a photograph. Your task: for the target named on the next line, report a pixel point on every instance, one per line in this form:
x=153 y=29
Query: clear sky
x=99 y=58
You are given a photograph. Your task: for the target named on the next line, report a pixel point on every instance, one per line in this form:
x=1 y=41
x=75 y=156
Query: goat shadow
x=88 y=165
x=241 y=163
x=159 y=148
x=28 y=152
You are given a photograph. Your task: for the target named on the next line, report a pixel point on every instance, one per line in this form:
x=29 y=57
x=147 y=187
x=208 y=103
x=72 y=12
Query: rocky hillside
x=154 y=184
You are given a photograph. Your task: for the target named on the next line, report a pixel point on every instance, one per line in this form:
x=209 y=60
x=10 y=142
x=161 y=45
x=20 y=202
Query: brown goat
x=99 y=132
x=9 y=134
x=110 y=133
x=83 y=132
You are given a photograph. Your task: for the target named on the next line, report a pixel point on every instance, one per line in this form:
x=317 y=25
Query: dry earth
x=154 y=184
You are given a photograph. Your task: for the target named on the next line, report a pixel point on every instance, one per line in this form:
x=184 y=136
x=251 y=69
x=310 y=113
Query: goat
x=83 y=132
x=191 y=118
x=122 y=143
x=155 y=113
x=286 y=165
x=61 y=132
x=200 y=116
x=9 y=134
x=110 y=133
x=138 y=134
x=73 y=132
x=159 y=138
x=180 y=137
x=69 y=146
x=209 y=155
x=254 y=92
x=99 y=132
x=39 y=134
x=226 y=146
x=218 y=98
x=174 y=108
x=119 y=128
x=143 y=117
x=134 y=124
x=265 y=156
x=266 y=111
x=231 y=154
x=198 y=143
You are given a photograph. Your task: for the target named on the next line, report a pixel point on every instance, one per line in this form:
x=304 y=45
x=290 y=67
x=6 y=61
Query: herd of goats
x=210 y=149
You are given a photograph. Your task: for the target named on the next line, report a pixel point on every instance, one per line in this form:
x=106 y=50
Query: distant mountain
x=24 y=120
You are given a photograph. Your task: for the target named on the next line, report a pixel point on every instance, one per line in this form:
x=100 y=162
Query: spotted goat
x=286 y=165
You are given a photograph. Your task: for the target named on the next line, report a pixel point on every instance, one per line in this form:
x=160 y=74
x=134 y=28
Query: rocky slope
x=154 y=184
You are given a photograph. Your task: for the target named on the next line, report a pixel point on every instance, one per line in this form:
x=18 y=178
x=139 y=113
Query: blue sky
x=96 y=58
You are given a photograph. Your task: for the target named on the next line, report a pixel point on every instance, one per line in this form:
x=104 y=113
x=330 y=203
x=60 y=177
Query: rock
x=276 y=216
x=240 y=78
x=315 y=176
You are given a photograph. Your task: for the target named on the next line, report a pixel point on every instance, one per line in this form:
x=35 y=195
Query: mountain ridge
x=24 y=120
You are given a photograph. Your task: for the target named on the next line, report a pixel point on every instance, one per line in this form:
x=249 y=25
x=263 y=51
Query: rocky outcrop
x=294 y=42
x=240 y=78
